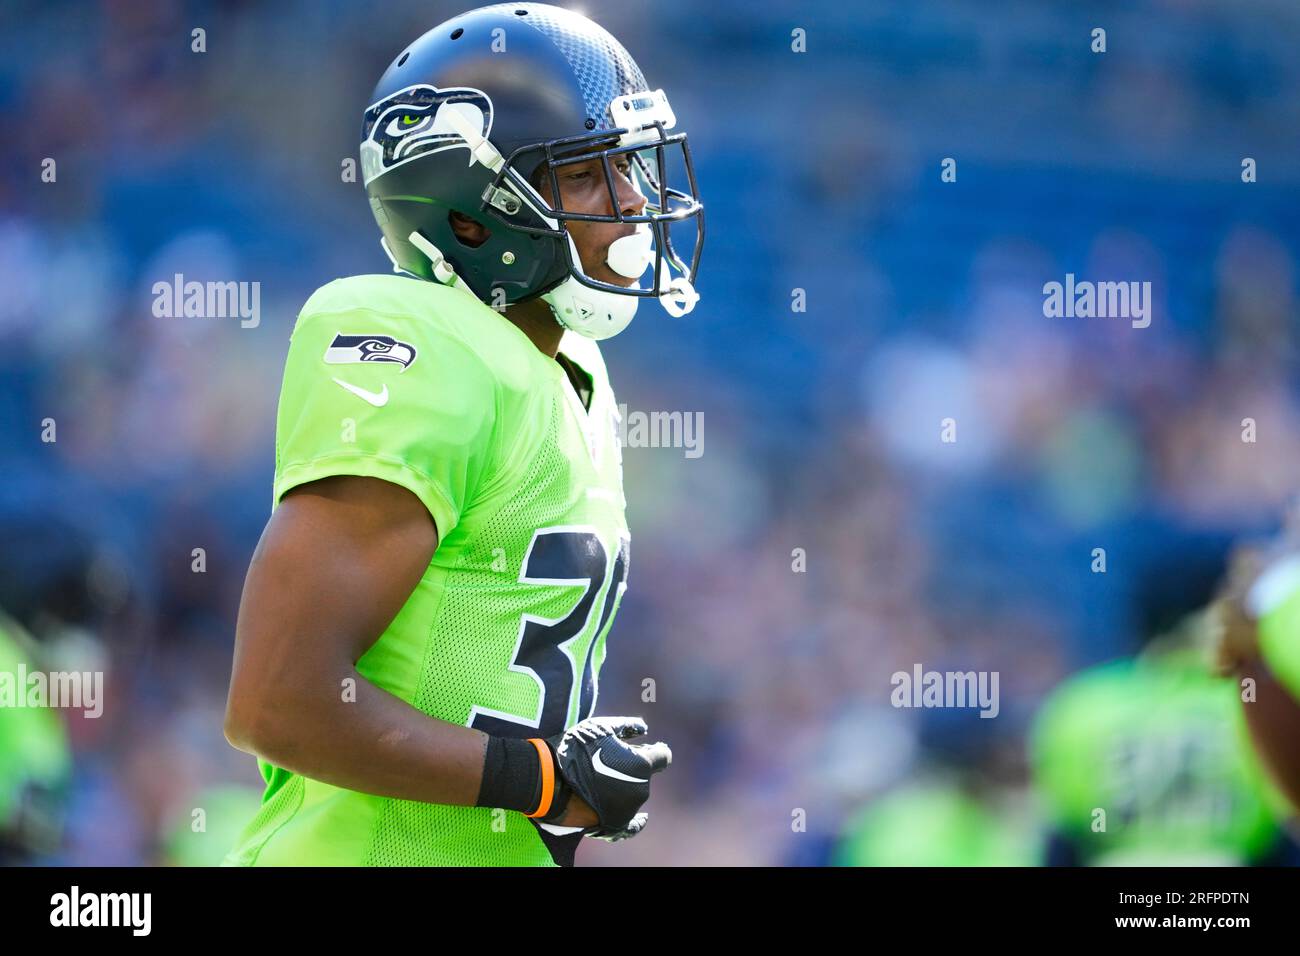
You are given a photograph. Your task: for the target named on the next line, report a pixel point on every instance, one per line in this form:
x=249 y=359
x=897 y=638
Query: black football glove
x=594 y=760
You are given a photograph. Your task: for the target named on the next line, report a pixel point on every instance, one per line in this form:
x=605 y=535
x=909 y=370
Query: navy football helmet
x=473 y=113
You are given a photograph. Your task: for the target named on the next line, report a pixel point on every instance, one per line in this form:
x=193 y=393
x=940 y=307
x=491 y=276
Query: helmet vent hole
x=521 y=13
x=457 y=33
x=403 y=57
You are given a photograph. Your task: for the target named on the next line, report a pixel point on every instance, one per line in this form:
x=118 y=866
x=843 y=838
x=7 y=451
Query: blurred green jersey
x=35 y=758
x=1146 y=762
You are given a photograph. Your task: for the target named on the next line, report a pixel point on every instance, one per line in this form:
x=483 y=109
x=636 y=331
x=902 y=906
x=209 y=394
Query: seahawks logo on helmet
x=347 y=349
x=412 y=123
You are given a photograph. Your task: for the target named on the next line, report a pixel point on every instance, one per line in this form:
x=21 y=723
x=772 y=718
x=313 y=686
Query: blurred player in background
x=935 y=822
x=1146 y=760
x=35 y=762
x=54 y=598
x=1257 y=619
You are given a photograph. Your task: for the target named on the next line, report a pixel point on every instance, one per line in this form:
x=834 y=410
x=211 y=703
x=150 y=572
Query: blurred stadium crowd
x=820 y=172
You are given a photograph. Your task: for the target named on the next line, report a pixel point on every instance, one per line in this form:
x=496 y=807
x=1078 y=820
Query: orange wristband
x=548 y=777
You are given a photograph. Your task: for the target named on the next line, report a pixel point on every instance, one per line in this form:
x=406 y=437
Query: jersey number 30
x=564 y=557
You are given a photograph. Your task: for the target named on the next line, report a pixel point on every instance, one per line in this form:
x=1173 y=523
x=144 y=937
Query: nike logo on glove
x=378 y=399
x=599 y=765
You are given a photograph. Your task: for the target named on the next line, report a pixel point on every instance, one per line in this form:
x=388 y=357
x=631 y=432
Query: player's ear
x=469 y=231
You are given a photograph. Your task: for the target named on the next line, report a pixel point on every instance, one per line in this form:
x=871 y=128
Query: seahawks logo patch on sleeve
x=349 y=349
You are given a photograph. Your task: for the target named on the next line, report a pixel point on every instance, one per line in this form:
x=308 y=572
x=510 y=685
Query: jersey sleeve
x=386 y=395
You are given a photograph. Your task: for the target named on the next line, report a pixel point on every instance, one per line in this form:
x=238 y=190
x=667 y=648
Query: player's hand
x=578 y=814
x=598 y=768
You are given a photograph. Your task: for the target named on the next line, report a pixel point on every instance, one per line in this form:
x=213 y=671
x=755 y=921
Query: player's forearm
x=374 y=744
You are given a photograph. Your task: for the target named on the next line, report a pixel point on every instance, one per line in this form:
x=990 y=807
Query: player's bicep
x=360 y=546
x=336 y=563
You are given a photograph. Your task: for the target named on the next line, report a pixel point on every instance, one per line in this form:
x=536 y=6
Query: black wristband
x=512 y=775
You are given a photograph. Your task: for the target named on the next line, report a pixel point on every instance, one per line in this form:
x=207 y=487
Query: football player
x=1258 y=644
x=35 y=759
x=424 y=621
x=1146 y=760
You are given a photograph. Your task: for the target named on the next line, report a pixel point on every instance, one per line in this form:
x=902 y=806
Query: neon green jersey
x=35 y=758
x=1160 y=746
x=933 y=823
x=424 y=386
x=1279 y=631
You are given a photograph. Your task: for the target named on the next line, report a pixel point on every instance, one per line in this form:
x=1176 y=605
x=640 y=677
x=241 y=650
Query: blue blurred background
x=820 y=172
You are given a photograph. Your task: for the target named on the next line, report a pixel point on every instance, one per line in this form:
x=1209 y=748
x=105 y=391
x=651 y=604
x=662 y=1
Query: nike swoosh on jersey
x=378 y=399
x=601 y=767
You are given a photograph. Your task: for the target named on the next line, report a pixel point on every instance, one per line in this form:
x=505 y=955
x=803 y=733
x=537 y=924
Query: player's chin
x=613 y=278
